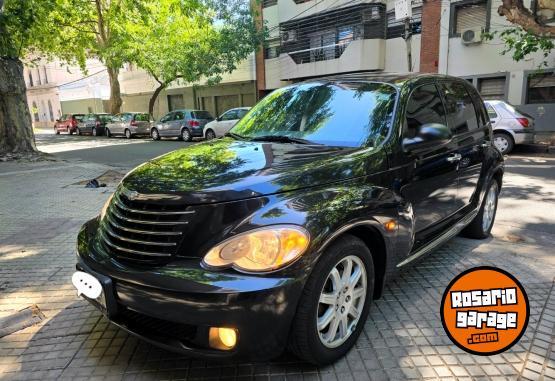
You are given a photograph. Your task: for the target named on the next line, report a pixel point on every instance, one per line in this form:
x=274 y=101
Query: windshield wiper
x=281 y=139
x=236 y=136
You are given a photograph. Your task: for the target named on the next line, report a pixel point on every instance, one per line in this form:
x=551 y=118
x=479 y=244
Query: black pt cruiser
x=281 y=234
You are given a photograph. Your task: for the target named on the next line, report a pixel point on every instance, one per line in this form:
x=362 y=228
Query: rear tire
x=481 y=225
x=503 y=142
x=210 y=134
x=69 y=131
x=108 y=133
x=93 y=132
x=186 y=135
x=128 y=134
x=78 y=131
x=328 y=300
x=56 y=131
x=154 y=134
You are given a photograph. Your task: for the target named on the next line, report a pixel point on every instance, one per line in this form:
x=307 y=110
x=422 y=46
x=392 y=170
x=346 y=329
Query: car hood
x=227 y=170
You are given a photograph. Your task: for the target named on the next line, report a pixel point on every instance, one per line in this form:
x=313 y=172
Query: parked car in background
x=224 y=123
x=283 y=233
x=182 y=124
x=510 y=126
x=68 y=123
x=129 y=124
x=94 y=124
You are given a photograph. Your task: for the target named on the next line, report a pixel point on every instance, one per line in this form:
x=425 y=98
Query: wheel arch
x=505 y=131
x=374 y=240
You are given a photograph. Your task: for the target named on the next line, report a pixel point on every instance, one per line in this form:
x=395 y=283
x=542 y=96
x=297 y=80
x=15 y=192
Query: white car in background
x=223 y=124
x=510 y=126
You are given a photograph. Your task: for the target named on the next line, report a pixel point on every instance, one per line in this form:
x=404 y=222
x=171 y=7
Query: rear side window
x=461 y=114
x=424 y=107
x=179 y=116
x=201 y=115
x=142 y=117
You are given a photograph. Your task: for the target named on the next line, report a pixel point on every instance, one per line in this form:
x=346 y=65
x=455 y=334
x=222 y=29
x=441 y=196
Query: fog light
x=222 y=338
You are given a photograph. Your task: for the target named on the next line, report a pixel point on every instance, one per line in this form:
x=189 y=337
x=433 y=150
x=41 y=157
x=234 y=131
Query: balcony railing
x=320 y=53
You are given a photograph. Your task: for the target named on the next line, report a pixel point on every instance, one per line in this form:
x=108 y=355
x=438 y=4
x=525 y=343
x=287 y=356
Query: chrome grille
x=143 y=231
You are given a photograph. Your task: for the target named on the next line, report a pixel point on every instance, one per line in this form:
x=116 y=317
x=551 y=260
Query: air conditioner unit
x=471 y=36
x=289 y=36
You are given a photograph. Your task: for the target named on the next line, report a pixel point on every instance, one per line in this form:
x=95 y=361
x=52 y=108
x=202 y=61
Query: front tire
x=154 y=134
x=108 y=133
x=186 y=135
x=56 y=131
x=127 y=134
x=481 y=225
x=78 y=131
x=503 y=142
x=335 y=303
x=93 y=132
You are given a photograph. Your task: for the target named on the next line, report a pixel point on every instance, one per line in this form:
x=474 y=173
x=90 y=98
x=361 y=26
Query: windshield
x=334 y=114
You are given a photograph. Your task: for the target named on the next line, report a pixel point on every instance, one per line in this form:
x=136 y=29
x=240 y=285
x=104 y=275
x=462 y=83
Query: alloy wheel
x=94 y=131
x=490 y=205
x=186 y=135
x=155 y=134
x=210 y=135
x=341 y=301
x=128 y=134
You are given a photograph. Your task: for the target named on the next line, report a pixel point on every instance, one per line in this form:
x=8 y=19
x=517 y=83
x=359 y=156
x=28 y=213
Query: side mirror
x=219 y=119
x=429 y=136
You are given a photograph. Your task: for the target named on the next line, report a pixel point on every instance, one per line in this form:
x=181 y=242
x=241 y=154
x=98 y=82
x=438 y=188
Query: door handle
x=454 y=158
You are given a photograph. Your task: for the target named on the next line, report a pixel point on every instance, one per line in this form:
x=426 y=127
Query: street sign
x=403 y=9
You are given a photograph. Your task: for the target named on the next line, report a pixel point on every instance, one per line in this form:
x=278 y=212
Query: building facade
x=314 y=38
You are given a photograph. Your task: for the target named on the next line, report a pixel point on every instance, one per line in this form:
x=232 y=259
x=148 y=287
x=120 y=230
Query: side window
x=230 y=115
x=126 y=117
x=491 y=111
x=179 y=116
x=241 y=113
x=424 y=106
x=461 y=114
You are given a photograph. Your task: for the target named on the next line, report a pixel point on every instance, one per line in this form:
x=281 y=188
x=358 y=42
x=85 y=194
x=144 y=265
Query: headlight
x=260 y=250
x=105 y=207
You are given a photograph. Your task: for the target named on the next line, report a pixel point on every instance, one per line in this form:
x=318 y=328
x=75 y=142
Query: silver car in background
x=510 y=126
x=224 y=123
x=129 y=124
x=183 y=124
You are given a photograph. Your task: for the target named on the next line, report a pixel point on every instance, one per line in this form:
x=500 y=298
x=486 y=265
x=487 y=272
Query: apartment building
x=234 y=90
x=314 y=38
x=51 y=90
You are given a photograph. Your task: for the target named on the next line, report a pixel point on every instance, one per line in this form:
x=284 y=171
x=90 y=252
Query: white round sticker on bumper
x=86 y=285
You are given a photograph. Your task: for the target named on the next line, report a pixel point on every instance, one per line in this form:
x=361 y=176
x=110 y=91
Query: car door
x=470 y=133
x=177 y=122
x=226 y=122
x=430 y=179
x=163 y=124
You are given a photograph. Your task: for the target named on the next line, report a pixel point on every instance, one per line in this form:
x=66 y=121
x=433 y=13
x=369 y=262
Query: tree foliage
x=193 y=40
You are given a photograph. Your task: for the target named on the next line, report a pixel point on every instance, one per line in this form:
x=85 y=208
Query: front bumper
x=174 y=306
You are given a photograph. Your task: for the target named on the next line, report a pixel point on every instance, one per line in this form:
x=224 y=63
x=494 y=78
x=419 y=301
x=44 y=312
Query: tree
x=98 y=29
x=533 y=31
x=22 y=31
x=191 y=41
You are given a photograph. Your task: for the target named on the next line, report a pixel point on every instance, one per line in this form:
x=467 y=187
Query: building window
x=35 y=111
x=469 y=15
x=45 y=75
x=326 y=35
x=396 y=28
x=541 y=88
x=30 y=79
x=39 y=81
x=492 y=88
x=269 y=3
x=50 y=111
x=272 y=50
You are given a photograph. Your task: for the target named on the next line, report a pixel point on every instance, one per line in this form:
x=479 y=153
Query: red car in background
x=68 y=123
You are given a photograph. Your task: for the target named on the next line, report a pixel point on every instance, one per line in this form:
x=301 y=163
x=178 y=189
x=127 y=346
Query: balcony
x=357 y=55
x=342 y=39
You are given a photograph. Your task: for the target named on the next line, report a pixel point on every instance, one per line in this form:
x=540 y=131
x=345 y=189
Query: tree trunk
x=153 y=98
x=16 y=130
x=115 y=92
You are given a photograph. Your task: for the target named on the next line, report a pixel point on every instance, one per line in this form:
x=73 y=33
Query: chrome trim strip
x=140 y=242
x=164 y=223
x=138 y=231
x=453 y=231
x=122 y=205
x=144 y=253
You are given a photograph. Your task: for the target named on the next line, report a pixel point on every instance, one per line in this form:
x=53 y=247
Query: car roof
x=395 y=79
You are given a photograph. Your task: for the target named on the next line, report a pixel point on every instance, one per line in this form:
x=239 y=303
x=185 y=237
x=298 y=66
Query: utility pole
x=403 y=11
x=408 y=40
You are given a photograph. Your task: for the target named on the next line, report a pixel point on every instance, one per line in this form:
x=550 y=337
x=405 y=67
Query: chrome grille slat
x=137 y=241
x=138 y=231
x=133 y=251
x=145 y=222
x=122 y=205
